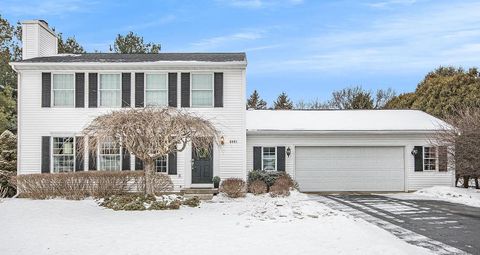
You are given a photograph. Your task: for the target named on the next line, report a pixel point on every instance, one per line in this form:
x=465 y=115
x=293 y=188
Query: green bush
x=269 y=177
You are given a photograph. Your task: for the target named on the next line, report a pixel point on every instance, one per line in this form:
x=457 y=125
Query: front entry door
x=202 y=165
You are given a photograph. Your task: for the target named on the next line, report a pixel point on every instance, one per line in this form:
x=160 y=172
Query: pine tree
x=133 y=43
x=283 y=102
x=255 y=102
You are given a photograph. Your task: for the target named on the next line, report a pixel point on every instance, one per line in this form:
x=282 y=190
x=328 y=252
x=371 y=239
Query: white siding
x=37 y=41
x=413 y=181
x=35 y=122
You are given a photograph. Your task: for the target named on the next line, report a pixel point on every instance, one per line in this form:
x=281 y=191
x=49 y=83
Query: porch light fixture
x=222 y=140
x=414 y=152
x=289 y=151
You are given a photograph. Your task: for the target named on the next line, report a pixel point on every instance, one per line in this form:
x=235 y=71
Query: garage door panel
x=350 y=168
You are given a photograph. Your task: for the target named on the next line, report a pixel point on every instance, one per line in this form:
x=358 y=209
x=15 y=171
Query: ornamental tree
x=150 y=133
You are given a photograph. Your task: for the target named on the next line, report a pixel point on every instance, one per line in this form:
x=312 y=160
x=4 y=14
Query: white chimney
x=38 y=40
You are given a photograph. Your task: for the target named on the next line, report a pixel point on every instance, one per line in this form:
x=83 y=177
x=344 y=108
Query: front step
x=201 y=193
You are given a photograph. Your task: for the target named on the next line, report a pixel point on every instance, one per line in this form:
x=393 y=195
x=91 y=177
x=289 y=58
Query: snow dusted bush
x=258 y=187
x=192 y=202
x=80 y=185
x=286 y=180
x=140 y=202
x=233 y=187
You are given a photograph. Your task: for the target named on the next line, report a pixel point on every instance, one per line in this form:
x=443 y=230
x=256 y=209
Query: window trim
x=436 y=159
x=99 y=156
x=213 y=89
x=276 y=163
x=52 y=155
x=99 y=79
x=145 y=89
x=166 y=165
x=52 y=91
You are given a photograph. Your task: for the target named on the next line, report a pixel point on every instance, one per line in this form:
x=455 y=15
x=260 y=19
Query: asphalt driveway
x=456 y=226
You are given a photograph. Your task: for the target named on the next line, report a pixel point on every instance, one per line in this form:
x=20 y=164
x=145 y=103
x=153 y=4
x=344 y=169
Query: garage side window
x=430 y=158
x=269 y=158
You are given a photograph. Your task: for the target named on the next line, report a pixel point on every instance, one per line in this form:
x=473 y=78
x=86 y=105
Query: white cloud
x=226 y=40
x=417 y=40
x=390 y=3
x=152 y=23
x=258 y=4
x=46 y=7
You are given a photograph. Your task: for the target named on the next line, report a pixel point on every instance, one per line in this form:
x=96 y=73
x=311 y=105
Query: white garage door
x=349 y=168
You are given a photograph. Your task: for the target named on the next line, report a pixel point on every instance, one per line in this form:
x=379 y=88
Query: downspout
x=19 y=82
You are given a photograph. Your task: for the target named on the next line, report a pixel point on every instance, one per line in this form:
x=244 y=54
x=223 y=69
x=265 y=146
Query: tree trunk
x=466 y=180
x=457 y=178
x=149 y=177
x=477 y=186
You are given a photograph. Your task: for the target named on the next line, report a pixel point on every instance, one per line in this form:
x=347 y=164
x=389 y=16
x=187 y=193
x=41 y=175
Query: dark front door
x=202 y=165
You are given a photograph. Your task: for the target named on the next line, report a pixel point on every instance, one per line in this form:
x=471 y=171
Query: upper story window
x=110 y=90
x=156 y=90
x=430 y=158
x=202 y=90
x=269 y=158
x=110 y=156
x=63 y=90
x=63 y=154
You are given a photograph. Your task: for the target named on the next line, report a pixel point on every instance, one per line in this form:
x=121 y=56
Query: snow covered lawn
x=251 y=225
x=464 y=196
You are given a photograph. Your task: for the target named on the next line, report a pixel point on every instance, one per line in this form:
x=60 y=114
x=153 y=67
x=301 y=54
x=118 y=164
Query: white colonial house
x=59 y=94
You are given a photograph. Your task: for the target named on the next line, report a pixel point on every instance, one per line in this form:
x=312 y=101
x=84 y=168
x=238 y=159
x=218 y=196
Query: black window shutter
x=46 y=89
x=185 y=80
x=79 y=157
x=79 y=90
x=257 y=158
x=418 y=159
x=139 y=89
x=92 y=159
x=138 y=164
x=281 y=158
x=442 y=159
x=172 y=163
x=125 y=159
x=126 y=81
x=218 y=89
x=45 y=154
x=92 y=90
x=172 y=89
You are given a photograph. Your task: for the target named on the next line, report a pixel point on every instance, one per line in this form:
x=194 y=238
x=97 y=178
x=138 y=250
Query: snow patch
x=464 y=196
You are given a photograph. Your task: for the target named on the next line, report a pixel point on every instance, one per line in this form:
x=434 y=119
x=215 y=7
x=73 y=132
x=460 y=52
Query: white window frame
x=166 y=165
x=52 y=91
x=52 y=154
x=99 y=81
x=145 y=89
x=213 y=90
x=276 y=163
x=435 y=158
x=99 y=157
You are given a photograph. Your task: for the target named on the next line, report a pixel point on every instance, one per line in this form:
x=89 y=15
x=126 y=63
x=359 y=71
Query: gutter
x=343 y=132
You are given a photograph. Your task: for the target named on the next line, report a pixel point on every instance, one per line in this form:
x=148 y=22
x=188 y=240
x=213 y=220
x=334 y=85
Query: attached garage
x=350 y=168
x=349 y=150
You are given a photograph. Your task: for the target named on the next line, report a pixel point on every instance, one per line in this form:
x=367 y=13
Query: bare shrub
x=233 y=187
x=287 y=181
x=279 y=190
x=84 y=184
x=162 y=183
x=282 y=186
x=258 y=187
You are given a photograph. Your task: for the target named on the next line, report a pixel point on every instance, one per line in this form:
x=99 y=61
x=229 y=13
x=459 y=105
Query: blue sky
x=307 y=48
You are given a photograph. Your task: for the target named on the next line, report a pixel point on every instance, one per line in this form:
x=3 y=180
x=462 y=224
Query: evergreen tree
x=255 y=102
x=442 y=92
x=69 y=46
x=283 y=102
x=133 y=43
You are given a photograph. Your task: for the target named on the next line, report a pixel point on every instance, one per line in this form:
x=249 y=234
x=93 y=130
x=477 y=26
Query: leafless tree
x=150 y=133
x=462 y=138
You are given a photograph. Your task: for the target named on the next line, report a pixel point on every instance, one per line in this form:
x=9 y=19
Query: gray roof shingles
x=131 y=58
